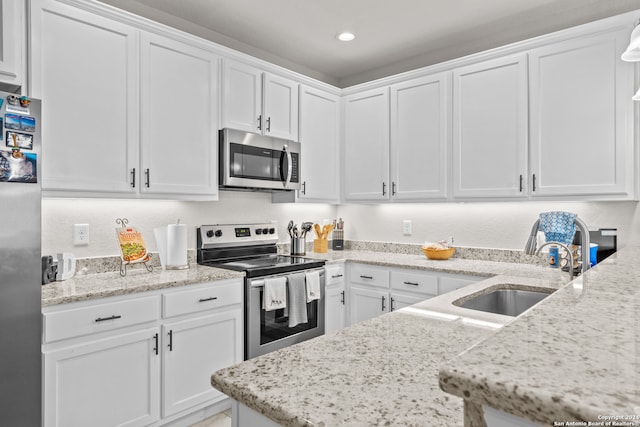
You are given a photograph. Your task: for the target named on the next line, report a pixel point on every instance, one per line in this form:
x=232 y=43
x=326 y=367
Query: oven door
x=266 y=331
x=255 y=161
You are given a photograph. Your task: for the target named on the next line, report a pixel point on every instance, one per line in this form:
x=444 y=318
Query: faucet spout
x=566 y=248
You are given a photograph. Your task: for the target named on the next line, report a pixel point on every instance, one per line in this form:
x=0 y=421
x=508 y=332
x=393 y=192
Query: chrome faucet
x=530 y=248
x=566 y=248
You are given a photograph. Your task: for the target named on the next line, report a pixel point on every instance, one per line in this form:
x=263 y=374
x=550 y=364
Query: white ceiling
x=391 y=35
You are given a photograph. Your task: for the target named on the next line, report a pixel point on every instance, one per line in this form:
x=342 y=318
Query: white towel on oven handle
x=274 y=295
x=312 y=279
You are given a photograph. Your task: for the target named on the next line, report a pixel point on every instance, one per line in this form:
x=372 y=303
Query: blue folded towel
x=558 y=226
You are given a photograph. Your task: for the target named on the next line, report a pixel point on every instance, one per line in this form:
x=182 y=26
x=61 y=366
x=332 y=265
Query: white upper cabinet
x=12 y=44
x=582 y=118
x=490 y=128
x=280 y=107
x=366 y=145
x=179 y=126
x=125 y=112
x=419 y=138
x=241 y=97
x=84 y=67
x=320 y=145
x=259 y=102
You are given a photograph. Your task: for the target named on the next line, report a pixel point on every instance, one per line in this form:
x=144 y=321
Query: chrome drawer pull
x=335 y=276
x=412 y=283
x=366 y=277
x=207 y=299
x=102 y=319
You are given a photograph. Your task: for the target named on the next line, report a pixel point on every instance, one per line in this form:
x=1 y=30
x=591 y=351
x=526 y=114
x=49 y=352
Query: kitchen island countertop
x=574 y=357
x=379 y=372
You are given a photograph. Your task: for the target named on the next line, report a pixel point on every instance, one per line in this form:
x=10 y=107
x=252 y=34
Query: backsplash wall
x=59 y=215
x=500 y=225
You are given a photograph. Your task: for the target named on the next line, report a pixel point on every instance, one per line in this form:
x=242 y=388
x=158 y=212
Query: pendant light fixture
x=632 y=54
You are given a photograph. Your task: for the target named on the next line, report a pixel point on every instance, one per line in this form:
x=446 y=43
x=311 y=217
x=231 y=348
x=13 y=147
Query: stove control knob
x=265 y=230
x=272 y=231
x=258 y=230
x=210 y=233
x=218 y=233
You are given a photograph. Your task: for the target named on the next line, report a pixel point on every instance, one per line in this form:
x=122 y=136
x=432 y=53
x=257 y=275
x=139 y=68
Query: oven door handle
x=259 y=283
x=289 y=166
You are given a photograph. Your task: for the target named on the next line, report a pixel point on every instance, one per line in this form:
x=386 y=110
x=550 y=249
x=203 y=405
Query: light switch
x=80 y=234
x=407 y=227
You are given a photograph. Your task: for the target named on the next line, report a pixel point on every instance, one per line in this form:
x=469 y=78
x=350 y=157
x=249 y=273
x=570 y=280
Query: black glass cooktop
x=266 y=265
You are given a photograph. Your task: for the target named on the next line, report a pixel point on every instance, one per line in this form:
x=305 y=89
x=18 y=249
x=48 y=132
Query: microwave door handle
x=289 y=166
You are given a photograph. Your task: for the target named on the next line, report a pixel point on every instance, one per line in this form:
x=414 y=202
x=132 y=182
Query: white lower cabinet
x=375 y=290
x=335 y=299
x=192 y=351
x=113 y=366
x=108 y=382
x=495 y=418
x=367 y=303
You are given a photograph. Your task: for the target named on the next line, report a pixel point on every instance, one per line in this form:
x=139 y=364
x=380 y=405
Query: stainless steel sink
x=508 y=302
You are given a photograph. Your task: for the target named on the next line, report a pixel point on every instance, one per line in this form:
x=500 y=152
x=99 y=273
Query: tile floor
x=220 y=420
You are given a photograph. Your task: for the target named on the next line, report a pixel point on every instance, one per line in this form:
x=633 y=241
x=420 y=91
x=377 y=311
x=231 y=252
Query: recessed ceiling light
x=346 y=36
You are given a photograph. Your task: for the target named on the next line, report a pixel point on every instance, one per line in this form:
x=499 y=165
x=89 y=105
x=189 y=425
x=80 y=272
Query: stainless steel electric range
x=252 y=248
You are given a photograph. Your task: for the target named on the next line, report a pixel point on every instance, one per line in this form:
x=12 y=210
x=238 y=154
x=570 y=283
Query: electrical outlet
x=80 y=234
x=407 y=225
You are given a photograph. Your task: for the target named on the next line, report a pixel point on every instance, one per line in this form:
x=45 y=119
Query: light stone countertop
x=383 y=371
x=573 y=357
x=102 y=285
x=454 y=265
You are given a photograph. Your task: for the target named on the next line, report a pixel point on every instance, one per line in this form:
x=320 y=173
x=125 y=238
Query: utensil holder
x=320 y=245
x=298 y=246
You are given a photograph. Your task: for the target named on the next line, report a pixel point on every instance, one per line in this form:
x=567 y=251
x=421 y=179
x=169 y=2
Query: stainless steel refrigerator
x=20 y=262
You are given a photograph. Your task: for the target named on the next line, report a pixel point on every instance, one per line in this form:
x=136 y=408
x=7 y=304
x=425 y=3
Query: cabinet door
x=490 y=128
x=85 y=69
x=193 y=350
x=241 y=97
x=398 y=301
x=179 y=118
x=366 y=145
x=581 y=117
x=367 y=303
x=12 y=44
x=280 y=107
x=320 y=144
x=419 y=138
x=115 y=381
x=335 y=309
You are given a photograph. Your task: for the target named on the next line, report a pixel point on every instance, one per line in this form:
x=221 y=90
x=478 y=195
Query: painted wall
x=504 y=225
x=59 y=215
x=490 y=225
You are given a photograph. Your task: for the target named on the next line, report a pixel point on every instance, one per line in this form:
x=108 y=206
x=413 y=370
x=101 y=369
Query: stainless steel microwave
x=252 y=161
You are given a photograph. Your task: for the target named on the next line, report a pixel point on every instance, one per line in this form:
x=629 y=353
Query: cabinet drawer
x=369 y=275
x=201 y=299
x=334 y=275
x=415 y=282
x=59 y=325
